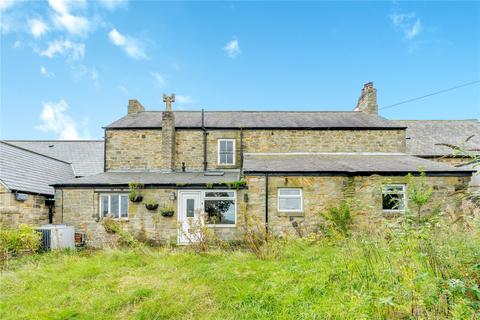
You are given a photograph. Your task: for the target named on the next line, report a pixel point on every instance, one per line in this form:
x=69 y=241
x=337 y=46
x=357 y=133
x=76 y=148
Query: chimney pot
x=168 y=101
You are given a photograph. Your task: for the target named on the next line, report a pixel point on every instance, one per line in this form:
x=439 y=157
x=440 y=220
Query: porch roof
x=152 y=178
x=346 y=164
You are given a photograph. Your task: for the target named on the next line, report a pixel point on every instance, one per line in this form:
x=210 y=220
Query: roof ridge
x=33 y=140
x=253 y=111
x=34 y=152
x=440 y=120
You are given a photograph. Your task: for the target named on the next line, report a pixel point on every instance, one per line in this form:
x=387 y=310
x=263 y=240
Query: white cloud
x=82 y=71
x=113 y=4
x=76 y=25
x=55 y=119
x=44 y=72
x=407 y=23
x=73 y=50
x=132 y=46
x=183 y=99
x=159 y=79
x=5 y=4
x=37 y=27
x=63 y=18
x=232 y=48
x=123 y=89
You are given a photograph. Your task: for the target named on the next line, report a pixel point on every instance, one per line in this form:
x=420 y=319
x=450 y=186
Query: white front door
x=189 y=216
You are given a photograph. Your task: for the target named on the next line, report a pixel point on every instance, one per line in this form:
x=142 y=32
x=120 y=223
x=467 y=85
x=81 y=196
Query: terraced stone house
x=280 y=168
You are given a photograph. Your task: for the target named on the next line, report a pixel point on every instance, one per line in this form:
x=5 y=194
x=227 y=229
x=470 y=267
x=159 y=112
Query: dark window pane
x=124 y=206
x=229 y=158
x=190 y=208
x=104 y=206
x=114 y=206
x=220 y=211
x=392 y=201
x=229 y=146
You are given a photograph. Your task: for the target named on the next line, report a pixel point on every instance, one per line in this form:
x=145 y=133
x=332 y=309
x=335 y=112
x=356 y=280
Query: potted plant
x=151 y=204
x=134 y=194
x=167 y=212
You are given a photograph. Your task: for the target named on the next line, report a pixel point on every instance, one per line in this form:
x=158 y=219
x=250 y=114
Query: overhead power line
x=430 y=94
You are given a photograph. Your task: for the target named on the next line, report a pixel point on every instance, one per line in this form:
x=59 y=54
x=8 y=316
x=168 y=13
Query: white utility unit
x=57 y=236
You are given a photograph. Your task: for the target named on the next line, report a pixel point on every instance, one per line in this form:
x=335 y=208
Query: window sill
x=290 y=213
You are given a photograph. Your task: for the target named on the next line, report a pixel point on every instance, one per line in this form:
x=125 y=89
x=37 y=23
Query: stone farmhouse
x=280 y=168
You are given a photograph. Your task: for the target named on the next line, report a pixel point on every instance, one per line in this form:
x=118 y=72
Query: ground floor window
x=114 y=205
x=220 y=207
x=290 y=200
x=393 y=198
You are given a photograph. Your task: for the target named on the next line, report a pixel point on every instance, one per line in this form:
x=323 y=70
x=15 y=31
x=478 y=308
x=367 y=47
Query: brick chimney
x=134 y=106
x=368 y=100
x=168 y=134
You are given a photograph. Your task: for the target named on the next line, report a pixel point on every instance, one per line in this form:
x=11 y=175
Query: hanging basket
x=151 y=206
x=168 y=213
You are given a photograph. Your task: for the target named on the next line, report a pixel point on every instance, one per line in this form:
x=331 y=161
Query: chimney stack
x=134 y=106
x=168 y=134
x=368 y=100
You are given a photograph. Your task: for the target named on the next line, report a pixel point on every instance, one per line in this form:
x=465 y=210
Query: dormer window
x=226 y=152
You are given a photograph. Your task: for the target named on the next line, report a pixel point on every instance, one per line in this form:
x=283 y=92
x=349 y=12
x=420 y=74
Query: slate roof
x=151 y=178
x=257 y=119
x=341 y=163
x=86 y=156
x=27 y=171
x=423 y=136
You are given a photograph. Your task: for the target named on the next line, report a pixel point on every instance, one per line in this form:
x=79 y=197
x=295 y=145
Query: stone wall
x=133 y=149
x=320 y=193
x=324 y=141
x=189 y=149
x=142 y=149
x=80 y=208
x=13 y=212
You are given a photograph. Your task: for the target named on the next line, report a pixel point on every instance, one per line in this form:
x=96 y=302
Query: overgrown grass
x=421 y=273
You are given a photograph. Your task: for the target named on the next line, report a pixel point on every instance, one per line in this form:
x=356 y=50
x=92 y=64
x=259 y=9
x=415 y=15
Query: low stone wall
x=13 y=212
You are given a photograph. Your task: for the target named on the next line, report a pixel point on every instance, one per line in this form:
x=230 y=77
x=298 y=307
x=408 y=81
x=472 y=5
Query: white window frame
x=234 y=198
x=117 y=194
x=218 y=152
x=289 y=197
x=405 y=198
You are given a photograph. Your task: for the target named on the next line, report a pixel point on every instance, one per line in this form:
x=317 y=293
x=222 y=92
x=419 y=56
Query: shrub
x=125 y=237
x=339 y=219
x=25 y=238
x=419 y=193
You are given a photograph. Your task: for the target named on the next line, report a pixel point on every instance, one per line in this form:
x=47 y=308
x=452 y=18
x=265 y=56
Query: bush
x=124 y=237
x=25 y=238
x=339 y=219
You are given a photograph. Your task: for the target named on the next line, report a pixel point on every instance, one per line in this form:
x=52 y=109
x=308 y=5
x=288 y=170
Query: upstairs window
x=226 y=151
x=393 y=198
x=290 y=200
x=114 y=205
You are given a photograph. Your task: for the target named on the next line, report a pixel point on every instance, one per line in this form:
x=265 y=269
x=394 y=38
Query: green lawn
x=345 y=279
